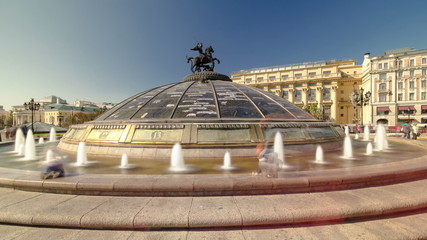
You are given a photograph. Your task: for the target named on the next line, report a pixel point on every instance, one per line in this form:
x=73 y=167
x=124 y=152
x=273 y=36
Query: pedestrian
x=415 y=131
x=405 y=130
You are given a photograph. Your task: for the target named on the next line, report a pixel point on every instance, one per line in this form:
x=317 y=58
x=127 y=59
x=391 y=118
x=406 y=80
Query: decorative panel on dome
x=198 y=102
x=131 y=107
x=163 y=105
x=232 y=103
x=268 y=107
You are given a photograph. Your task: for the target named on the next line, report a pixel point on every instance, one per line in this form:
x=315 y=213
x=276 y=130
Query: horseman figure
x=204 y=61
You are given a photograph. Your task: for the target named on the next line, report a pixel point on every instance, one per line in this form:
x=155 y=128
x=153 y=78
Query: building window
x=341 y=107
x=400 y=63
x=383 y=76
x=272 y=78
x=380 y=66
x=424 y=72
x=248 y=80
x=383 y=97
x=411 y=73
x=298 y=75
x=327 y=83
x=411 y=62
x=312 y=74
x=272 y=87
x=326 y=73
x=411 y=96
x=341 y=91
x=285 y=86
x=312 y=84
x=260 y=78
x=285 y=76
x=298 y=85
x=385 y=65
x=400 y=74
x=400 y=85
x=383 y=86
x=311 y=95
x=400 y=97
x=423 y=95
x=285 y=95
x=424 y=61
x=412 y=84
x=326 y=94
x=298 y=95
x=341 y=115
x=423 y=83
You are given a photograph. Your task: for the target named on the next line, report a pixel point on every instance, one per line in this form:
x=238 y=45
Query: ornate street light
x=360 y=99
x=31 y=105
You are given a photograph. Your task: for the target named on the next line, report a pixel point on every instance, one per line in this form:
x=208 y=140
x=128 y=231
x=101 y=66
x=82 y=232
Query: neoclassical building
x=398 y=84
x=327 y=84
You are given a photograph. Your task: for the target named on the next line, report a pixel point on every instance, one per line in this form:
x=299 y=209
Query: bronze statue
x=204 y=60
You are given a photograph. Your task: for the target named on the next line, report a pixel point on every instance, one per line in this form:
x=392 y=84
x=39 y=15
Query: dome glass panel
x=233 y=103
x=198 y=102
x=163 y=105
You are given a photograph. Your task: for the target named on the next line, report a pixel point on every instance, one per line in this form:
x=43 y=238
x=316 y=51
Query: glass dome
x=205 y=99
x=207 y=114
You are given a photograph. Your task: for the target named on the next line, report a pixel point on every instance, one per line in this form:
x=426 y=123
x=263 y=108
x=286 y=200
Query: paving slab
x=117 y=212
x=69 y=212
x=214 y=211
x=166 y=212
x=22 y=212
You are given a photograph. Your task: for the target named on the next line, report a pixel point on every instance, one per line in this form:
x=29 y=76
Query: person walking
x=415 y=131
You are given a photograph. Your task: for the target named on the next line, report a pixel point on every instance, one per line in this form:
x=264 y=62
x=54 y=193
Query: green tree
x=9 y=119
x=313 y=110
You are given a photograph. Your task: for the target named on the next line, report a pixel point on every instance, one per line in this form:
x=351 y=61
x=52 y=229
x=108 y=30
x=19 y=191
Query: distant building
x=52 y=100
x=53 y=110
x=398 y=82
x=327 y=84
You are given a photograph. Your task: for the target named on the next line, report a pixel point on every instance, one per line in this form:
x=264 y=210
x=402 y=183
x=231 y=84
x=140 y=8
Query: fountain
x=124 y=162
x=369 y=150
x=41 y=140
x=81 y=155
x=177 y=160
x=279 y=151
x=49 y=156
x=19 y=139
x=30 y=148
x=227 y=163
x=348 y=148
x=366 y=133
x=21 y=149
x=52 y=135
x=319 y=155
x=380 y=138
x=346 y=130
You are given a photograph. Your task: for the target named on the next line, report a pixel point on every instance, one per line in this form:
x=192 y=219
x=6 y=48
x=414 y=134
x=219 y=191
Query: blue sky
x=103 y=50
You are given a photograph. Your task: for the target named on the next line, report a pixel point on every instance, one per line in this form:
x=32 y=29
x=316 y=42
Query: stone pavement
x=383 y=201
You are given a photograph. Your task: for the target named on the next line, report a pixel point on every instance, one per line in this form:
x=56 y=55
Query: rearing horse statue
x=204 y=60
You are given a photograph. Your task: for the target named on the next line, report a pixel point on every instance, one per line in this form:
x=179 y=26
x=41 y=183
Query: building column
x=319 y=96
x=334 y=104
x=304 y=96
x=291 y=95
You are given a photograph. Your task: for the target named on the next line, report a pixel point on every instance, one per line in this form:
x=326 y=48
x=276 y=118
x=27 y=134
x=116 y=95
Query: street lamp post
x=31 y=105
x=360 y=99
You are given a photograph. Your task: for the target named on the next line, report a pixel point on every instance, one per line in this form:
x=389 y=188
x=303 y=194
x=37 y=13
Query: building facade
x=327 y=85
x=398 y=84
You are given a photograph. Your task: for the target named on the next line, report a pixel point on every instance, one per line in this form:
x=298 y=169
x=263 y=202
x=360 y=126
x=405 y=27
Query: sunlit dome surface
x=207 y=99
